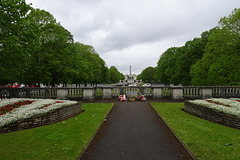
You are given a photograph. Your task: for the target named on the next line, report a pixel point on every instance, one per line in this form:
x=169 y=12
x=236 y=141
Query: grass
x=63 y=140
x=206 y=140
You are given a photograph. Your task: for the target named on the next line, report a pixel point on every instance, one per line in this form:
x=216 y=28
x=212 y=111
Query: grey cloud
x=128 y=27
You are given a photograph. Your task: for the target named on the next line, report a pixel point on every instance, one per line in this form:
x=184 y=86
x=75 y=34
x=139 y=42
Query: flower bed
x=223 y=111
x=228 y=106
x=20 y=110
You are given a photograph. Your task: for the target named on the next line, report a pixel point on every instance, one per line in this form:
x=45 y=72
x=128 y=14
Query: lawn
x=206 y=140
x=61 y=141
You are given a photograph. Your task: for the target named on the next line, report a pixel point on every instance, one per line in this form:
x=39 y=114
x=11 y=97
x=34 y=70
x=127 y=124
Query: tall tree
x=174 y=65
x=220 y=63
x=148 y=74
x=88 y=67
x=13 y=39
x=50 y=50
x=187 y=56
x=165 y=65
x=114 y=74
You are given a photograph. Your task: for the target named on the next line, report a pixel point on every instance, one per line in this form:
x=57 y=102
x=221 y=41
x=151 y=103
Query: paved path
x=133 y=131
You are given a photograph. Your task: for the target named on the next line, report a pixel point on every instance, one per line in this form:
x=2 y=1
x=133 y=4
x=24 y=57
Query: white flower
x=29 y=110
x=234 y=108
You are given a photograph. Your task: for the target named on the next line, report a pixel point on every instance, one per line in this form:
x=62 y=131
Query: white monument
x=130 y=79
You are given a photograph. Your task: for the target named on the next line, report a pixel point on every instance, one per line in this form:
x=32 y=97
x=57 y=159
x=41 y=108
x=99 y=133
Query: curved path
x=134 y=131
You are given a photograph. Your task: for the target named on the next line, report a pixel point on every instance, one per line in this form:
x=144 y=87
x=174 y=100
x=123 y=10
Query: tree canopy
x=220 y=64
x=212 y=59
x=114 y=75
x=36 y=49
x=147 y=75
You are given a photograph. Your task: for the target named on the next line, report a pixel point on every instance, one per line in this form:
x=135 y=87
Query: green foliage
x=49 y=55
x=220 y=62
x=114 y=75
x=13 y=39
x=147 y=75
x=212 y=59
x=63 y=140
x=139 y=77
x=165 y=66
x=87 y=66
x=174 y=65
x=36 y=49
x=206 y=140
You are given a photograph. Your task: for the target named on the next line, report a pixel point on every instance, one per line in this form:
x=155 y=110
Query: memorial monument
x=130 y=79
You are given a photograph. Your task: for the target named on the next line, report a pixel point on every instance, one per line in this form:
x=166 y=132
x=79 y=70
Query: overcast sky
x=136 y=32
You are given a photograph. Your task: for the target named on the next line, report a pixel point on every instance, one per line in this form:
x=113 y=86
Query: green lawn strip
x=63 y=140
x=206 y=140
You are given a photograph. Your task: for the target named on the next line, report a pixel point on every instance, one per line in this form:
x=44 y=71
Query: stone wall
x=212 y=115
x=46 y=119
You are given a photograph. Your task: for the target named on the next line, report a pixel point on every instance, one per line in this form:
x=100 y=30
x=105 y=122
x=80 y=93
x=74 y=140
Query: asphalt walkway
x=133 y=131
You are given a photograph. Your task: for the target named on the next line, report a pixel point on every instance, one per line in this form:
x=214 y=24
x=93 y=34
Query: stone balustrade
x=92 y=93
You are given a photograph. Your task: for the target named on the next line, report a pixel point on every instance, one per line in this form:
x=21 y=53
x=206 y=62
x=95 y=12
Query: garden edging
x=212 y=115
x=51 y=117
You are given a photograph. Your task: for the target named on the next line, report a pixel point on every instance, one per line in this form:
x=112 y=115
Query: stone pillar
x=61 y=93
x=176 y=93
x=47 y=91
x=206 y=93
x=157 y=93
x=13 y=93
x=141 y=90
x=222 y=92
x=107 y=93
x=28 y=95
x=121 y=90
x=88 y=93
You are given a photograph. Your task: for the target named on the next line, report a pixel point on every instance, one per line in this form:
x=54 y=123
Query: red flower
x=59 y=102
x=16 y=103
x=218 y=103
x=9 y=108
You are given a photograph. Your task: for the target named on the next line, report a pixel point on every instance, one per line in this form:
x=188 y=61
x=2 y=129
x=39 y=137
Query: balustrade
x=165 y=92
x=226 y=92
x=75 y=92
x=113 y=92
x=191 y=92
x=148 y=92
x=98 y=92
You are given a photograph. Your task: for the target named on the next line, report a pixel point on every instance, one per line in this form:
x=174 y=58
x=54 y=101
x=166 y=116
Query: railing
x=114 y=92
x=165 y=92
x=28 y=92
x=74 y=92
x=192 y=92
x=226 y=92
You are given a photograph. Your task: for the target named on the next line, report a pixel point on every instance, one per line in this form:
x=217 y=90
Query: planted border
x=215 y=110
x=38 y=113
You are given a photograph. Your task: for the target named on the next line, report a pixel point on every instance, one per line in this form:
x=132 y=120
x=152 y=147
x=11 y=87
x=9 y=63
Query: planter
x=131 y=99
x=51 y=117
x=212 y=115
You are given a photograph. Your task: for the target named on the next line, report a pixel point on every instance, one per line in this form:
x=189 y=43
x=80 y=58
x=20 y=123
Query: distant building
x=130 y=79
